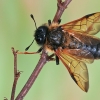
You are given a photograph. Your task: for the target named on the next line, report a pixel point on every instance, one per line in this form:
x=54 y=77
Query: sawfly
x=73 y=43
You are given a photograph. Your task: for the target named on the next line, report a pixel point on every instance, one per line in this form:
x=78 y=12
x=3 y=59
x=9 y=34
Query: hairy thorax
x=56 y=38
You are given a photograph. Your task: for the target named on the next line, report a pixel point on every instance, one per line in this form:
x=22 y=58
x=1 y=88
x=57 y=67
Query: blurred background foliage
x=16 y=30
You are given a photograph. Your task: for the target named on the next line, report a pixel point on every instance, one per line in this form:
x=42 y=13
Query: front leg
x=57 y=60
x=40 y=49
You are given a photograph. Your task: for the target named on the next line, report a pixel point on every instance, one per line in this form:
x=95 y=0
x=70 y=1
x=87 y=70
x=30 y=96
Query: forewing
x=82 y=55
x=89 y=24
x=77 y=69
x=85 y=39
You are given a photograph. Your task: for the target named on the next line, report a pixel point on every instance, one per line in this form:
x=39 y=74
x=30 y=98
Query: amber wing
x=79 y=54
x=89 y=24
x=77 y=69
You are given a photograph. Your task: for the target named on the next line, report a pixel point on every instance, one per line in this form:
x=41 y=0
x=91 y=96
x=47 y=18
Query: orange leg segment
x=27 y=52
x=31 y=52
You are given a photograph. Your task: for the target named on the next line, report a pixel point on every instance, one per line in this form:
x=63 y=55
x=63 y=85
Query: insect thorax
x=55 y=38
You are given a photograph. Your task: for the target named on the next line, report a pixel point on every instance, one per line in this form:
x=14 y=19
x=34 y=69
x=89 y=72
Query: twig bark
x=33 y=76
x=16 y=74
x=61 y=6
x=43 y=59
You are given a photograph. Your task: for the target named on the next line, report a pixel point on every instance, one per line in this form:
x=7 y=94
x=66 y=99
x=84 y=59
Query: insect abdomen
x=94 y=49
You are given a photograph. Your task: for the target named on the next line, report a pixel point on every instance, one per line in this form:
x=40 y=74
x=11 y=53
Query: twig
x=16 y=74
x=33 y=76
x=44 y=57
x=61 y=7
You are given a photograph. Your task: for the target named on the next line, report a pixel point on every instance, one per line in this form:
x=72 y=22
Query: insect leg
x=59 y=21
x=40 y=49
x=57 y=60
x=49 y=22
x=50 y=58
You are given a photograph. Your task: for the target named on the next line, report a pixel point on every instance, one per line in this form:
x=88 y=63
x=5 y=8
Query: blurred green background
x=16 y=30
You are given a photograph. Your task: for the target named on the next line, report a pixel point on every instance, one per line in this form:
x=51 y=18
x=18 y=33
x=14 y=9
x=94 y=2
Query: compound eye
x=39 y=39
x=40 y=30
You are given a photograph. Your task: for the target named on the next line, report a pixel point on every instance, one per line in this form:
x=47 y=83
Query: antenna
x=29 y=46
x=33 y=20
x=36 y=28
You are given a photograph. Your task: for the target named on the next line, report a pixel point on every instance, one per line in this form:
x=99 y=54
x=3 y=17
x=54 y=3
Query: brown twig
x=43 y=59
x=16 y=74
x=61 y=6
x=33 y=76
